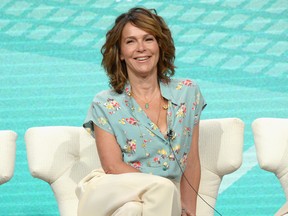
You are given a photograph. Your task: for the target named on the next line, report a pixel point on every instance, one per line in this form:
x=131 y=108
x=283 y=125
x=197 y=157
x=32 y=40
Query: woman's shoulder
x=105 y=95
x=179 y=89
x=182 y=83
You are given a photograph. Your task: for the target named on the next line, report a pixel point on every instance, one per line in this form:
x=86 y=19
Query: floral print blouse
x=142 y=144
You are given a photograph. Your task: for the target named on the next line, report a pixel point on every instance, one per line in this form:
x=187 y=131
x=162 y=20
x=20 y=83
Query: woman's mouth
x=142 y=58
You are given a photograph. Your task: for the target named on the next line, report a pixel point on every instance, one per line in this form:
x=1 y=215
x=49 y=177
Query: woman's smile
x=139 y=50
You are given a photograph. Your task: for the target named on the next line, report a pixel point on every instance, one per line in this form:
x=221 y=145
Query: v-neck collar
x=139 y=114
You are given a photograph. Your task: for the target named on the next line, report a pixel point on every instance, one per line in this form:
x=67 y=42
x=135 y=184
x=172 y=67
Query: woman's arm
x=110 y=153
x=192 y=174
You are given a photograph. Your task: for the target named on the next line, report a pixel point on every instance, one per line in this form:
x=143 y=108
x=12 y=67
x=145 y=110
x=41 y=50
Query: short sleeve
x=96 y=114
x=200 y=104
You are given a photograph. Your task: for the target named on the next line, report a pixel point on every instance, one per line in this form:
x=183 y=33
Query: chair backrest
x=7 y=154
x=221 y=149
x=271 y=143
x=63 y=155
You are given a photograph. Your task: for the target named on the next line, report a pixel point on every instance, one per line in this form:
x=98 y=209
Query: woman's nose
x=140 y=47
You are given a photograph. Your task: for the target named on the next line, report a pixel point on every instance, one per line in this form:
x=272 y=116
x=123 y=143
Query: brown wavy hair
x=149 y=21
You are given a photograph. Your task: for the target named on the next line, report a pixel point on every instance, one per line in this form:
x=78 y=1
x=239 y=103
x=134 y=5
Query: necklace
x=164 y=106
x=159 y=112
x=145 y=102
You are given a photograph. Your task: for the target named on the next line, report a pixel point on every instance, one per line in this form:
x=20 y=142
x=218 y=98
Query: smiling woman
x=149 y=22
x=146 y=126
x=139 y=51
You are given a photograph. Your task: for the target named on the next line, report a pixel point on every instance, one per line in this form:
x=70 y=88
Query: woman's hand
x=185 y=212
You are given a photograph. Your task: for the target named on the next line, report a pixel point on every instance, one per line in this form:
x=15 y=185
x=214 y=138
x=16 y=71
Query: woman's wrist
x=186 y=212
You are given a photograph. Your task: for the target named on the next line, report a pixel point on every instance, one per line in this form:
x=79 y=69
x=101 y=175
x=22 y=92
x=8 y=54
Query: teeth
x=142 y=58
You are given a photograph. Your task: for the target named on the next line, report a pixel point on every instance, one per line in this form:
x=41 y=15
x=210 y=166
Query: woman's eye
x=129 y=41
x=150 y=39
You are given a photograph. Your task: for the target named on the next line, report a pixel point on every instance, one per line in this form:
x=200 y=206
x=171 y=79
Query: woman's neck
x=145 y=87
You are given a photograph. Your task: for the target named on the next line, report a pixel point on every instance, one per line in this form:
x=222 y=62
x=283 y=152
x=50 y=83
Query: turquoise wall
x=50 y=70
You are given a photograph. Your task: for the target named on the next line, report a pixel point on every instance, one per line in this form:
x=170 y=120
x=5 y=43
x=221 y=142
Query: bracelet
x=183 y=210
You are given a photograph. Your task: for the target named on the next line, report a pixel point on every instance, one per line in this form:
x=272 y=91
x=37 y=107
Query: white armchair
x=7 y=154
x=271 y=143
x=220 y=148
x=63 y=155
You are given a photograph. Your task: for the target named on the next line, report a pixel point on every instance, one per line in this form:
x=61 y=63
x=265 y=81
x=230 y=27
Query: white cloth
x=129 y=194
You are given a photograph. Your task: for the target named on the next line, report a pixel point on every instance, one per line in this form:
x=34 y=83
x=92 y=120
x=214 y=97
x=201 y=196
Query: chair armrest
x=271 y=143
x=52 y=150
x=221 y=144
x=7 y=154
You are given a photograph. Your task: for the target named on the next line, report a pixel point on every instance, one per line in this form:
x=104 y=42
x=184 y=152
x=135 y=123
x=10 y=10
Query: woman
x=146 y=127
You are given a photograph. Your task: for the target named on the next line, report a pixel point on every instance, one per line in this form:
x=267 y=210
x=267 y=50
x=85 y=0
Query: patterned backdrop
x=50 y=70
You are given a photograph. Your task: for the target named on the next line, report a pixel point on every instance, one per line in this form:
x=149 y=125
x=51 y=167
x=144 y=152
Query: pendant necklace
x=146 y=103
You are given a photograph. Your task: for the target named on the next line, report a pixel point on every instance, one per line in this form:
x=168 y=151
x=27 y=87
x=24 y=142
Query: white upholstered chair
x=271 y=143
x=7 y=154
x=63 y=155
x=220 y=148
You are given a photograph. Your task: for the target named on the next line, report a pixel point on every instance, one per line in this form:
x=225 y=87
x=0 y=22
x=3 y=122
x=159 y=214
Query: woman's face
x=139 y=50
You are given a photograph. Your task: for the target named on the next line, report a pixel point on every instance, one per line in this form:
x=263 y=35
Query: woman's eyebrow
x=133 y=37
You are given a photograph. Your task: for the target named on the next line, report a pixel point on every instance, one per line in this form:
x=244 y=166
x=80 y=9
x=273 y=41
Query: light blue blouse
x=142 y=144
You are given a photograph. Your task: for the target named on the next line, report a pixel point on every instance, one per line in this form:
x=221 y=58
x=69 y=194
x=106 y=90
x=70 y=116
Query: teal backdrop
x=50 y=69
